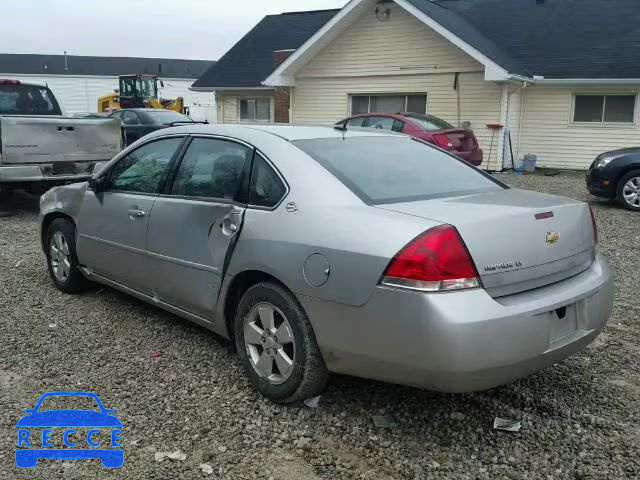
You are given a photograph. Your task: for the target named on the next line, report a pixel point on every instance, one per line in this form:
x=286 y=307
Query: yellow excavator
x=138 y=91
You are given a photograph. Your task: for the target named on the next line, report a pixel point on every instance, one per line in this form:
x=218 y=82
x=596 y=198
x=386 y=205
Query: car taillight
x=596 y=237
x=442 y=141
x=10 y=82
x=436 y=261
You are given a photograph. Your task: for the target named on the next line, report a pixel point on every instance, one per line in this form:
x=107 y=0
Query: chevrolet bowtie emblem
x=552 y=237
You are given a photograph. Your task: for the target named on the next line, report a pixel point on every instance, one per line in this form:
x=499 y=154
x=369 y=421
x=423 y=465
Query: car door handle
x=228 y=227
x=136 y=213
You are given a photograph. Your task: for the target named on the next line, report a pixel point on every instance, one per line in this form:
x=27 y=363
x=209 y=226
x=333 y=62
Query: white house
x=78 y=81
x=560 y=76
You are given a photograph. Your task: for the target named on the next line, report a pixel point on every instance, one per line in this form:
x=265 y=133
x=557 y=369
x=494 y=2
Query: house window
x=388 y=103
x=604 y=108
x=255 y=109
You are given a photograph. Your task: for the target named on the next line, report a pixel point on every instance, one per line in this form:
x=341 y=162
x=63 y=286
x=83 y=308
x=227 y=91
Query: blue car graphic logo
x=42 y=434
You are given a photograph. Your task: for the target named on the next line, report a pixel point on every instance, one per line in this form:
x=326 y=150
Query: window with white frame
x=592 y=108
x=414 y=103
x=254 y=109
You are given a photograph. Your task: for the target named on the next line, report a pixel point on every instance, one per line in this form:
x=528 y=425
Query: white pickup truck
x=39 y=147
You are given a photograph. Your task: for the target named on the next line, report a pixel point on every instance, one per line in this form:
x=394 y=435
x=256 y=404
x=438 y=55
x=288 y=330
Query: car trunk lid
x=519 y=240
x=50 y=139
x=460 y=140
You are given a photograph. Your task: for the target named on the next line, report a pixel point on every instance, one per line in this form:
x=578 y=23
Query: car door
x=132 y=127
x=194 y=223
x=112 y=223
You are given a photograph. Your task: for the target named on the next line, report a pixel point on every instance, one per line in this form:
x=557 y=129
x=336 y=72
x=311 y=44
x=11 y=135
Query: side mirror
x=96 y=184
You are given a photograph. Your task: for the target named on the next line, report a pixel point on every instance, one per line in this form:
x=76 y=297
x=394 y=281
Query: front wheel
x=629 y=191
x=62 y=260
x=277 y=346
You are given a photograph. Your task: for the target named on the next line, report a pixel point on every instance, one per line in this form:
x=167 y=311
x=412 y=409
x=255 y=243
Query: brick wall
x=282 y=96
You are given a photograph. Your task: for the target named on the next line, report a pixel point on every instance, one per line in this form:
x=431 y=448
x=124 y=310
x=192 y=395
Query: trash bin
x=529 y=162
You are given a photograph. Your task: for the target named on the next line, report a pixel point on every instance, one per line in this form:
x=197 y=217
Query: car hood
x=69 y=418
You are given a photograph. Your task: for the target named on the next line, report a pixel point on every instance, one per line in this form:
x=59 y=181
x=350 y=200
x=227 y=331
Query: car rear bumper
x=599 y=184
x=474 y=157
x=47 y=173
x=462 y=341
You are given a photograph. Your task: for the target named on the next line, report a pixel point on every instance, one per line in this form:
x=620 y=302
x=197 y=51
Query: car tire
x=62 y=260
x=261 y=351
x=630 y=178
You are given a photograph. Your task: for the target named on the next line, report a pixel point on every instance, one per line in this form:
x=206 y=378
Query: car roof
x=285 y=131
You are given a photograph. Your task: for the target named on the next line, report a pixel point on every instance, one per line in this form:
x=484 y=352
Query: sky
x=194 y=29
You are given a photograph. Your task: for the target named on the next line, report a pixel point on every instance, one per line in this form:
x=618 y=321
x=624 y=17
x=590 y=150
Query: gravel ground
x=580 y=419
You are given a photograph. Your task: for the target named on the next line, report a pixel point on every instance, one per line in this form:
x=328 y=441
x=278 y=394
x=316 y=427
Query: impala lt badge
x=503 y=266
x=552 y=237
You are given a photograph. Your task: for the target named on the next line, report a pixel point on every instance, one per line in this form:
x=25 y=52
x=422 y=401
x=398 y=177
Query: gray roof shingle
x=101 y=66
x=251 y=60
x=550 y=38
x=557 y=39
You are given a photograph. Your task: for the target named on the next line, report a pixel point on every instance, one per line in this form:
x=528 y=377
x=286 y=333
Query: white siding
x=548 y=131
x=80 y=94
x=401 y=45
x=401 y=55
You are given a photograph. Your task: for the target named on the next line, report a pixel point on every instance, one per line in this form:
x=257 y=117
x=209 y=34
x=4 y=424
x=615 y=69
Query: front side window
x=255 y=109
x=267 y=189
x=393 y=169
x=145 y=169
x=356 y=122
x=211 y=168
x=129 y=118
x=604 y=108
x=388 y=103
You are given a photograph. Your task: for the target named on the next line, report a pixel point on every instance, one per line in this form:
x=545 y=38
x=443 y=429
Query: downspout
x=522 y=104
x=508 y=123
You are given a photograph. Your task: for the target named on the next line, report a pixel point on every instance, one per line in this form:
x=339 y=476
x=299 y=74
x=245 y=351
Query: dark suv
x=460 y=142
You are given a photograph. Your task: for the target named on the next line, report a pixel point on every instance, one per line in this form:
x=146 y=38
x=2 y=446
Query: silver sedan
x=318 y=250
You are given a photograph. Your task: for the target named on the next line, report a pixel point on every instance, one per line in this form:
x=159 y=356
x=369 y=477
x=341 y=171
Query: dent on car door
x=112 y=223
x=195 y=223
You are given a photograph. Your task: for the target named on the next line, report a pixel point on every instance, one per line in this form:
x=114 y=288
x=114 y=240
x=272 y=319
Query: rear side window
x=429 y=123
x=267 y=189
x=390 y=169
x=17 y=99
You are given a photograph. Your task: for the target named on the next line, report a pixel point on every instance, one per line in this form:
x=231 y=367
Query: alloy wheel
x=60 y=257
x=269 y=343
x=631 y=192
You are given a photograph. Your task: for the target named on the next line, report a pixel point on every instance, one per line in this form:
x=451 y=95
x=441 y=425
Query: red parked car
x=460 y=142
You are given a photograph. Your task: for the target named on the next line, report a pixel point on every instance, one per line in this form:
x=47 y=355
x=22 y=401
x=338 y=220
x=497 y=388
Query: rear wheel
x=277 y=346
x=62 y=260
x=629 y=191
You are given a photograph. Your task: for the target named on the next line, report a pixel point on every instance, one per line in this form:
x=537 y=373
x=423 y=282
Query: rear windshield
x=429 y=123
x=16 y=99
x=163 y=117
x=396 y=169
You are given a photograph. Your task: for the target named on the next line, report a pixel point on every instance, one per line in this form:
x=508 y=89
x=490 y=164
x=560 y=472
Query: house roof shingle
x=29 y=64
x=251 y=60
x=552 y=38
